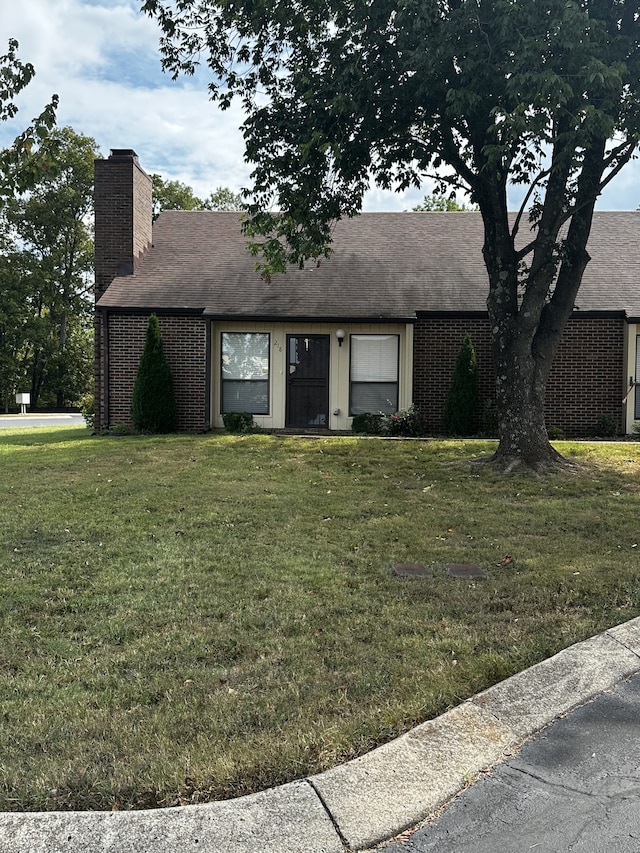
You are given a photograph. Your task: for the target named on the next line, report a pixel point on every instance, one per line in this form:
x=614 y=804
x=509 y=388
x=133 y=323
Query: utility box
x=23 y=400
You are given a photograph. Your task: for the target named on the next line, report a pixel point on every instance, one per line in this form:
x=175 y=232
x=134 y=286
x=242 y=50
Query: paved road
x=574 y=787
x=14 y=421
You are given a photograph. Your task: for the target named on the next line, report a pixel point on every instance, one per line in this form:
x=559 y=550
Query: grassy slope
x=188 y=618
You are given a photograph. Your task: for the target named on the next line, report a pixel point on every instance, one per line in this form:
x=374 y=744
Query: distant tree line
x=46 y=250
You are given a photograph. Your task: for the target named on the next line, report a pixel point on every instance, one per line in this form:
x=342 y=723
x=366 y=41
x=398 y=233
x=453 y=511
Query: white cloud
x=103 y=62
x=101 y=57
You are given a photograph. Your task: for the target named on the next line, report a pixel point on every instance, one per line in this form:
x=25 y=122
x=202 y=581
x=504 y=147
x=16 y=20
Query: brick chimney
x=123 y=216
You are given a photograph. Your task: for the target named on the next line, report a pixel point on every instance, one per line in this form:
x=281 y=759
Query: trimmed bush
x=238 y=422
x=606 y=426
x=153 y=408
x=407 y=422
x=462 y=400
x=555 y=433
x=367 y=423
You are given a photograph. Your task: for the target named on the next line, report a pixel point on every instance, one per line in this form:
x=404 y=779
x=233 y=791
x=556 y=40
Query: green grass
x=192 y=618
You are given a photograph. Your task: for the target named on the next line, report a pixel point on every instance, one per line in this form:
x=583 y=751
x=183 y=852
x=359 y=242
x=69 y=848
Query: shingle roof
x=383 y=266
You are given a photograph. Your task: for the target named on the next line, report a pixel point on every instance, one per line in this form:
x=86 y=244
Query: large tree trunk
x=521 y=382
x=532 y=292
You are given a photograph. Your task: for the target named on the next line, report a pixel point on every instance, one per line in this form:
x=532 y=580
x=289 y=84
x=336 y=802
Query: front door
x=307 y=381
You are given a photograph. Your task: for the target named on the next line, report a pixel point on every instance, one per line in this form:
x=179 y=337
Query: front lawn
x=193 y=618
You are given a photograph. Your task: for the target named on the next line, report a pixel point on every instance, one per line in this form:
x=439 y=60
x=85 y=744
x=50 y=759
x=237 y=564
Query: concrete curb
x=366 y=801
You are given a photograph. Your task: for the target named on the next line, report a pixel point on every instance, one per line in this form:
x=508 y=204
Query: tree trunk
x=521 y=380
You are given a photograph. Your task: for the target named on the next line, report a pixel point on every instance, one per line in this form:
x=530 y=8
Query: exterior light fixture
x=340 y=335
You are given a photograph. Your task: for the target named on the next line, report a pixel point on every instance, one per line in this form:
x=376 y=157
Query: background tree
x=225 y=199
x=478 y=94
x=14 y=317
x=153 y=407
x=461 y=406
x=52 y=226
x=174 y=195
x=442 y=203
x=18 y=164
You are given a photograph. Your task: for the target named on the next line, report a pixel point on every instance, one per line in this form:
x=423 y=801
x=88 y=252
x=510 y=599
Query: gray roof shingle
x=383 y=266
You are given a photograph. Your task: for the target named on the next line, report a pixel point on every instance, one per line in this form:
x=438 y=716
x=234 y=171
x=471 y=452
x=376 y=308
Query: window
x=245 y=372
x=636 y=413
x=374 y=373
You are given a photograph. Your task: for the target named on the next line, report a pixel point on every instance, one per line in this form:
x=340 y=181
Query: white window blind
x=374 y=374
x=245 y=372
x=374 y=358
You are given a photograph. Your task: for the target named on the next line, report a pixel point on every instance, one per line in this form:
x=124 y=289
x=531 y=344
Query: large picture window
x=245 y=372
x=374 y=374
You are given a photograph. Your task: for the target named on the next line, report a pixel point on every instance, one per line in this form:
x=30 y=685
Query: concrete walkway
x=369 y=800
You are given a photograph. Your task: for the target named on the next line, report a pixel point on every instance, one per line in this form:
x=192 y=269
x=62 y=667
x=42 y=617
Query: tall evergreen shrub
x=153 y=408
x=462 y=400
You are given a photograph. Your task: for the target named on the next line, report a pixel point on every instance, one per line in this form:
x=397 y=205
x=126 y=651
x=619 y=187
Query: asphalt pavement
x=574 y=787
x=40 y=420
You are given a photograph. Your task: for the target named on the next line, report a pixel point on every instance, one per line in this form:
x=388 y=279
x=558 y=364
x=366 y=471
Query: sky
x=101 y=57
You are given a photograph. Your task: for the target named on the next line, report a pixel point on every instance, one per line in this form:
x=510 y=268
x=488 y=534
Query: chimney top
x=123 y=154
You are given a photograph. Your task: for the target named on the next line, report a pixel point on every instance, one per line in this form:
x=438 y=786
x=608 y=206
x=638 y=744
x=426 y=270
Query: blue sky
x=101 y=57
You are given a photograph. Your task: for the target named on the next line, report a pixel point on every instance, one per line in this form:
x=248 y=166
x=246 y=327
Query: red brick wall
x=437 y=342
x=585 y=383
x=184 y=342
x=587 y=377
x=123 y=223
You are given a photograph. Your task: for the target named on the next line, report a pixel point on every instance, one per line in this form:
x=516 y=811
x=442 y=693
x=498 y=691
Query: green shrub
x=555 y=433
x=238 y=422
x=153 y=408
x=88 y=409
x=462 y=400
x=367 y=423
x=606 y=426
x=120 y=428
x=407 y=422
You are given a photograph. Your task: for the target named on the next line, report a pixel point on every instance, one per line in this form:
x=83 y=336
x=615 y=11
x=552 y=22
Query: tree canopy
x=46 y=264
x=18 y=164
x=439 y=203
x=476 y=94
x=175 y=195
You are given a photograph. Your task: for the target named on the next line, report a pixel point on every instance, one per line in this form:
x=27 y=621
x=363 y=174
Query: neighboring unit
x=375 y=327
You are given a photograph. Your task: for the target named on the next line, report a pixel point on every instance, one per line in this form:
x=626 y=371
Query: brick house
x=375 y=327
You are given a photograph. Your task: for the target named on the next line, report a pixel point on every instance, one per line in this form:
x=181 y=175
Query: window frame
x=636 y=396
x=259 y=381
x=353 y=338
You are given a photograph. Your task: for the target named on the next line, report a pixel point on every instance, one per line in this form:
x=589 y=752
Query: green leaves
x=153 y=408
x=338 y=93
x=18 y=169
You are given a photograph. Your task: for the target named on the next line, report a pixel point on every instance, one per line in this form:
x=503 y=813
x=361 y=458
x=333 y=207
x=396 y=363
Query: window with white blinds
x=636 y=413
x=374 y=374
x=245 y=372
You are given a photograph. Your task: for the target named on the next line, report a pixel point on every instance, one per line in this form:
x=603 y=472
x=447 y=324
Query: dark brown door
x=308 y=381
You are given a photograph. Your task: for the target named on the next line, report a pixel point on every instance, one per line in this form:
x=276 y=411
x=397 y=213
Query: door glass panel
x=308 y=381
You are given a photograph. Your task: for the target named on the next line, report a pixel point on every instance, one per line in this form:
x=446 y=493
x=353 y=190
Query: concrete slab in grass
x=375 y=797
x=289 y=819
x=531 y=699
